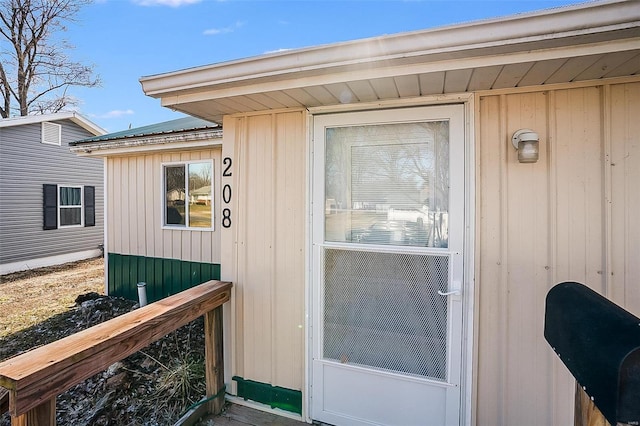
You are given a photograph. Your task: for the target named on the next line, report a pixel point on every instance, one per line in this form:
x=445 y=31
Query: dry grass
x=30 y=297
x=151 y=387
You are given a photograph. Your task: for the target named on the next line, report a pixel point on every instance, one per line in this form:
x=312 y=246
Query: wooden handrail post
x=586 y=413
x=214 y=360
x=45 y=372
x=42 y=415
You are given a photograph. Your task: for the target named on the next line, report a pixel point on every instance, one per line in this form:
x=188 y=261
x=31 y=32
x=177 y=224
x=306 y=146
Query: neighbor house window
x=188 y=195
x=68 y=206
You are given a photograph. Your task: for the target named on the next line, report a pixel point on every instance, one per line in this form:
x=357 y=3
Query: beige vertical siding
x=135 y=209
x=571 y=216
x=268 y=232
x=624 y=107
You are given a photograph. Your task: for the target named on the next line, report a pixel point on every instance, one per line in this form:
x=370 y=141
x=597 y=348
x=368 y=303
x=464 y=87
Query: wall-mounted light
x=526 y=142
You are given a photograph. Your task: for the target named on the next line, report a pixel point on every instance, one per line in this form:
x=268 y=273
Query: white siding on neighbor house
x=135 y=208
x=267 y=236
x=25 y=165
x=572 y=216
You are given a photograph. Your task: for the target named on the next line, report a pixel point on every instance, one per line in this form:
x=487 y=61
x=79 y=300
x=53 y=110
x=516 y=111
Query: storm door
x=387 y=266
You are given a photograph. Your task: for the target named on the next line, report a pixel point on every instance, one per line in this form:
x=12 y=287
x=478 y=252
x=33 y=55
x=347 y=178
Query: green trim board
x=274 y=396
x=163 y=277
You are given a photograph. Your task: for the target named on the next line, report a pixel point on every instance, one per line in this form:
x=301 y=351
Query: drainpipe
x=142 y=293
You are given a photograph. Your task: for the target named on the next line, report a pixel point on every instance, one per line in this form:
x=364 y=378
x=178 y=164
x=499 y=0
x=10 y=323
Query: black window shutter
x=89 y=206
x=50 y=206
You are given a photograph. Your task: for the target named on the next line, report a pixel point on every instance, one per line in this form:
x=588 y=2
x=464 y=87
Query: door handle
x=449 y=293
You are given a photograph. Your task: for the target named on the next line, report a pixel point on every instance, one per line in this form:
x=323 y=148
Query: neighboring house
x=201 y=195
x=51 y=201
x=158 y=168
x=345 y=312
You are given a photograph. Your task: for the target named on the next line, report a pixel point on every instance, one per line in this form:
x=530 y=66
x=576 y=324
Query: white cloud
x=225 y=30
x=216 y=31
x=116 y=113
x=170 y=3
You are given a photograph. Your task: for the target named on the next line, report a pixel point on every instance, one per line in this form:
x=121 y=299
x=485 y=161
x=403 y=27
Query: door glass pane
x=388 y=184
x=383 y=310
x=200 y=200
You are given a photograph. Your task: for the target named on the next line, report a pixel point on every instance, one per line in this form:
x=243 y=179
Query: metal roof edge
x=180 y=125
x=136 y=143
x=75 y=117
x=557 y=23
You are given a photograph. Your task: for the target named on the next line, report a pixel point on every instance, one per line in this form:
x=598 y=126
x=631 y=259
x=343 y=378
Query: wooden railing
x=35 y=378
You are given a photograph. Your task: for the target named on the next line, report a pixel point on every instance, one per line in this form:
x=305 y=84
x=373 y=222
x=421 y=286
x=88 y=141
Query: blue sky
x=128 y=39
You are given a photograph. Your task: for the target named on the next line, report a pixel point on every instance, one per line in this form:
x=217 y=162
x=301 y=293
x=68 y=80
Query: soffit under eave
x=223 y=85
x=608 y=60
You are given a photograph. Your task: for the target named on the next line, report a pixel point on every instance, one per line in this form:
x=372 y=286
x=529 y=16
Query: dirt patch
x=154 y=386
x=30 y=297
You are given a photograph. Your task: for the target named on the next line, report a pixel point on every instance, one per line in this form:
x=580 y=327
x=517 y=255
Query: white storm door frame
x=455 y=115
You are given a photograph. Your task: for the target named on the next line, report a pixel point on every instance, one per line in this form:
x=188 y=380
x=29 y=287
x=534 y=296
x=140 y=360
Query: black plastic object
x=600 y=344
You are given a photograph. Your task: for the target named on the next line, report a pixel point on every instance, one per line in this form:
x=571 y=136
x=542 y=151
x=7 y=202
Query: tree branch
x=41 y=72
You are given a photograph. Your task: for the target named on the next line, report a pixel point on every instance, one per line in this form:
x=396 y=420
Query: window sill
x=184 y=228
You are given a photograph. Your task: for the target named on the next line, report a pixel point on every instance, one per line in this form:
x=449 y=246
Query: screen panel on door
x=383 y=310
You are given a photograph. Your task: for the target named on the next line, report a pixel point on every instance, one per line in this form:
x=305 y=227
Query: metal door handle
x=449 y=293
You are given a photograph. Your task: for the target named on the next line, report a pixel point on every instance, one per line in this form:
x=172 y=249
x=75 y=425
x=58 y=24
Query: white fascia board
x=73 y=116
x=541 y=27
x=400 y=70
x=31 y=119
x=88 y=125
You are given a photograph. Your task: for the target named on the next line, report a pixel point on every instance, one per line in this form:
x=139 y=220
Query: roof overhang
x=583 y=42
x=76 y=118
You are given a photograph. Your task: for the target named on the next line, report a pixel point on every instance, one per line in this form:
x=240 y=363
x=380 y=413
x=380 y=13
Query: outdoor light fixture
x=526 y=141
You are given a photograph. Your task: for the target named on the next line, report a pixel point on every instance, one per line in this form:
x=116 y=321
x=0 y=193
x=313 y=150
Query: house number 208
x=226 y=193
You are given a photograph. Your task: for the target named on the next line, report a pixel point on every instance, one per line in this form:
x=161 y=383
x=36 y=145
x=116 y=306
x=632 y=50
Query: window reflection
x=189 y=200
x=176 y=194
x=200 y=195
x=388 y=184
x=70 y=206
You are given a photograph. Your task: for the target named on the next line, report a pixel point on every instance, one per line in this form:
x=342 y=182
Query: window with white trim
x=67 y=206
x=188 y=195
x=70 y=205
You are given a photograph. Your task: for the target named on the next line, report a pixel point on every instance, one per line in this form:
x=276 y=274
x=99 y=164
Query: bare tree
x=35 y=72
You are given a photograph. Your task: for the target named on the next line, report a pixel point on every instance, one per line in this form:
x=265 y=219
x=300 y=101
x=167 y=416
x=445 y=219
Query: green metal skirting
x=164 y=277
x=274 y=396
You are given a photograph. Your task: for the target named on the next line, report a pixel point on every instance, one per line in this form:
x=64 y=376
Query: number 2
x=227 y=170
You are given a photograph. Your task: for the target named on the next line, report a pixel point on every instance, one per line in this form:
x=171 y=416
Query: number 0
x=226 y=194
